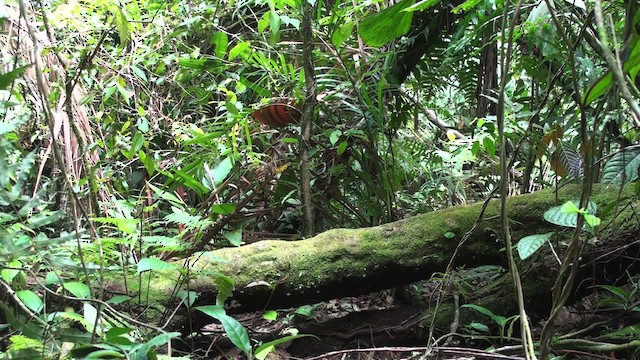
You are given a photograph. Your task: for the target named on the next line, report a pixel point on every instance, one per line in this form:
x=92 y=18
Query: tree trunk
x=347 y=262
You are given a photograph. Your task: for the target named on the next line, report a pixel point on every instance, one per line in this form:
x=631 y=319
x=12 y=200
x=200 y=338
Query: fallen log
x=348 y=262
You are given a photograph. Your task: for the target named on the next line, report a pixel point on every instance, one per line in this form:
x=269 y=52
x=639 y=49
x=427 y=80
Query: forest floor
x=388 y=324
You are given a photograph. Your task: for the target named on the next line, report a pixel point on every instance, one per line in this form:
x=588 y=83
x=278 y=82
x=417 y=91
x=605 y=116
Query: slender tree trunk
x=308 y=110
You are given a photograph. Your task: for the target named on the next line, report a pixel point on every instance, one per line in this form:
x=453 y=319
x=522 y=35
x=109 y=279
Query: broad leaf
x=154 y=264
x=566 y=161
x=242 y=50
x=341 y=34
x=388 y=24
x=563 y=215
x=8 y=78
x=122 y=25
x=234 y=237
x=269 y=315
x=77 y=289
x=422 y=5
x=263 y=350
x=220 y=40
x=630 y=66
x=235 y=331
x=31 y=300
x=224 y=209
x=622 y=168
x=528 y=245
x=225 y=288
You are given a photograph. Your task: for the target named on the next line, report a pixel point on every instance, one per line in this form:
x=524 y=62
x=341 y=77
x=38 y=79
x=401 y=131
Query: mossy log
x=347 y=262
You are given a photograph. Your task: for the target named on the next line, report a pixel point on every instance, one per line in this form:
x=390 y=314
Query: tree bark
x=308 y=109
x=349 y=262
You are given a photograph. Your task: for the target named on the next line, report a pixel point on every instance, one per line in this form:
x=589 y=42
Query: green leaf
x=30 y=300
x=221 y=41
x=569 y=160
x=235 y=331
x=138 y=142
x=189 y=297
x=528 y=245
x=212 y=310
x=602 y=85
x=127 y=226
x=154 y=264
x=225 y=288
x=629 y=332
x=90 y=314
x=465 y=6
x=481 y=310
x=480 y=327
x=148 y=161
x=422 y=5
x=77 y=289
x=617 y=291
x=234 y=237
x=222 y=170
x=569 y=208
x=263 y=350
x=270 y=315
x=622 y=168
x=306 y=310
x=290 y=21
x=567 y=214
x=592 y=220
x=139 y=73
x=8 y=78
x=52 y=278
x=224 y=209
x=335 y=136
x=199 y=64
x=341 y=148
x=489 y=146
x=174 y=200
x=243 y=50
x=122 y=25
x=264 y=21
x=144 y=352
x=118 y=299
x=341 y=34
x=117 y=332
x=388 y=24
x=44 y=218
x=8 y=274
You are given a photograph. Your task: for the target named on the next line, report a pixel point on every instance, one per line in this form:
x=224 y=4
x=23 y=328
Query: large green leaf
x=154 y=265
x=221 y=41
x=30 y=300
x=567 y=214
x=235 y=331
x=341 y=34
x=263 y=350
x=234 y=236
x=6 y=79
x=388 y=24
x=423 y=5
x=622 y=168
x=631 y=66
x=77 y=289
x=122 y=25
x=145 y=350
x=528 y=245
